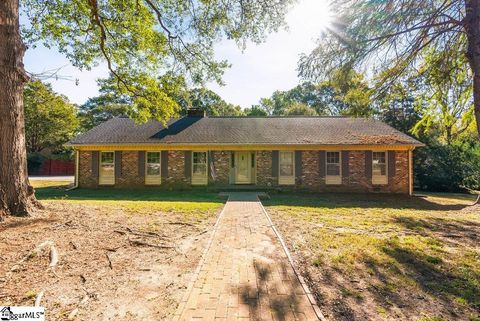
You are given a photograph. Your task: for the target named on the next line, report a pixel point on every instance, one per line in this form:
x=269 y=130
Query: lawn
x=192 y=203
x=377 y=257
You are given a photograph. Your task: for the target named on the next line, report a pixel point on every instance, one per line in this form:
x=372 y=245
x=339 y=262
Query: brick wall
x=399 y=183
x=264 y=169
x=310 y=171
x=85 y=178
x=310 y=179
x=130 y=176
x=176 y=170
x=222 y=168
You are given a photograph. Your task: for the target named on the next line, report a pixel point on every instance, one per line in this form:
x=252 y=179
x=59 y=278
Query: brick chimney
x=195 y=112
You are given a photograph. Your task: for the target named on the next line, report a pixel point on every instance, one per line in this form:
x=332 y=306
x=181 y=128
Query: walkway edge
x=186 y=296
x=305 y=287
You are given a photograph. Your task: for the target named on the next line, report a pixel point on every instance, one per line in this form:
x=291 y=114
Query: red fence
x=55 y=167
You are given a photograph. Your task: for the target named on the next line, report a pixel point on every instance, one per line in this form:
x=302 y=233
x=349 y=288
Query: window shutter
x=275 y=163
x=391 y=164
x=345 y=165
x=118 y=164
x=211 y=158
x=95 y=164
x=164 y=164
x=298 y=163
x=141 y=164
x=322 y=163
x=188 y=163
x=368 y=164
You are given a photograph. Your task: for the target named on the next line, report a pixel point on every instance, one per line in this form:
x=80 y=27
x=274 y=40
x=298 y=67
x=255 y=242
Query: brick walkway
x=245 y=273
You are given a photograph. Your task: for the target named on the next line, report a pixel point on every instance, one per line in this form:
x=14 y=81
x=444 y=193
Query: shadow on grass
x=440 y=279
x=112 y=194
x=327 y=200
x=464 y=231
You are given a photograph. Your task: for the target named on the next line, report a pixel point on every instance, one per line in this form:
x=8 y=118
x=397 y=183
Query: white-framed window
x=379 y=168
x=107 y=168
x=199 y=168
x=153 y=168
x=333 y=167
x=286 y=168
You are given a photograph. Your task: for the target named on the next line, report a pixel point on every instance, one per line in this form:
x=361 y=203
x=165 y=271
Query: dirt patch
x=112 y=264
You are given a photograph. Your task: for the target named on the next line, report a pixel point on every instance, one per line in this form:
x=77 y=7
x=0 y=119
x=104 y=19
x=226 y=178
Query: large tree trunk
x=16 y=195
x=472 y=26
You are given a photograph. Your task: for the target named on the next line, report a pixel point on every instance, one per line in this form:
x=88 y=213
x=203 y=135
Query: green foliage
x=99 y=109
x=299 y=109
x=346 y=92
x=213 y=104
x=141 y=39
x=450 y=168
x=50 y=120
x=385 y=35
x=34 y=161
x=111 y=102
x=256 y=110
x=448 y=95
x=397 y=107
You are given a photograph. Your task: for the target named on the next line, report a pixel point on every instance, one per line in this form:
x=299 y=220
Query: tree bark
x=16 y=195
x=472 y=28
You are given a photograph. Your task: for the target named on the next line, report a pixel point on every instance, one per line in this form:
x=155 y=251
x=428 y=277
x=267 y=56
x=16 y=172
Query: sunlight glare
x=313 y=14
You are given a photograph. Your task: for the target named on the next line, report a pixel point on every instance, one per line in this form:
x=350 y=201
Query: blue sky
x=255 y=72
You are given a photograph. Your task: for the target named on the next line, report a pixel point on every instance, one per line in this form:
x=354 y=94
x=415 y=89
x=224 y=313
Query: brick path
x=245 y=273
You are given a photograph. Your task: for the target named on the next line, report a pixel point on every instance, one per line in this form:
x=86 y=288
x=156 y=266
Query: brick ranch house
x=324 y=154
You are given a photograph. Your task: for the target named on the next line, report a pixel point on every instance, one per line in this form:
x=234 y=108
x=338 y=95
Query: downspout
x=410 y=171
x=75 y=184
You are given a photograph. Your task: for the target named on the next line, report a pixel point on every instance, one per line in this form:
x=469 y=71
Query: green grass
x=146 y=200
x=427 y=244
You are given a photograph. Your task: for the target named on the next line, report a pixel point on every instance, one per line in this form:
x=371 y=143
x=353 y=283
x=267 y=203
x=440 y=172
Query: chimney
x=195 y=112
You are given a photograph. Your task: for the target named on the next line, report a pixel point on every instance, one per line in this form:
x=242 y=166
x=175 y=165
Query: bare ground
x=112 y=264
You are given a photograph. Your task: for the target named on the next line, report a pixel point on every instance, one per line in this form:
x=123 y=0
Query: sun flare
x=315 y=14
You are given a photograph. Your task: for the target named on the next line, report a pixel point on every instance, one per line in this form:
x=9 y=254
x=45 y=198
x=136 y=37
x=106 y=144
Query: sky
x=255 y=73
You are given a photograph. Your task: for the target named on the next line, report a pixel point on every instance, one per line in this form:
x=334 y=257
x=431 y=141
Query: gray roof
x=247 y=130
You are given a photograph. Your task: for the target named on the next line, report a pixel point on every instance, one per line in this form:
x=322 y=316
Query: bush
x=445 y=168
x=34 y=161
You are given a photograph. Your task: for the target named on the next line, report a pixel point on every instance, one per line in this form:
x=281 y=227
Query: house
x=325 y=154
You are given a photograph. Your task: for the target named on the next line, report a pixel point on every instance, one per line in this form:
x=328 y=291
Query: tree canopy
x=140 y=40
x=50 y=120
x=392 y=38
x=345 y=92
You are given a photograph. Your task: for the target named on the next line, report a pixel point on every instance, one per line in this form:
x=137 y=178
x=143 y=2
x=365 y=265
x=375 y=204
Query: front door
x=243 y=168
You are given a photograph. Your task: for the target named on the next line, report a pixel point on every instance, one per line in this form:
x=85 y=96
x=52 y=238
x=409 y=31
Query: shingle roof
x=247 y=130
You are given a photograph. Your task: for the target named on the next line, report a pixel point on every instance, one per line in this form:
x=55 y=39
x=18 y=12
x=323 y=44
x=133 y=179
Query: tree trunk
x=16 y=195
x=472 y=27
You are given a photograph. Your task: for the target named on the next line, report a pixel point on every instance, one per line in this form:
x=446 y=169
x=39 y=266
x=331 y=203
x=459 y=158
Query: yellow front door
x=243 y=168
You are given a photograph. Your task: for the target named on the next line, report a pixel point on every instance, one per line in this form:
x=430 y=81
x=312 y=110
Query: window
x=199 y=168
x=379 y=168
x=107 y=168
x=334 y=174
x=153 y=171
x=286 y=168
